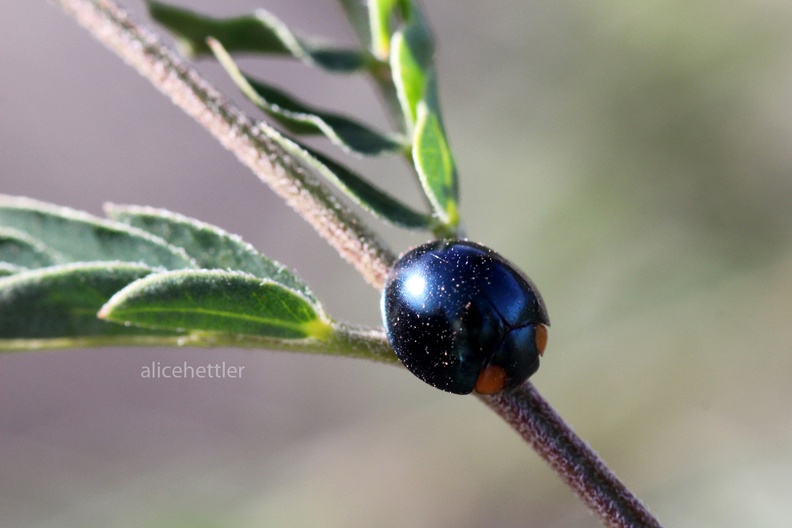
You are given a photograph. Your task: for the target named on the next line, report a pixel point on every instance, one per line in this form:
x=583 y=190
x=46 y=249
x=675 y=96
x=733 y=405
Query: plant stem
x=569 y=456
x=345 y=340
x=142 y=49
x=523 y=408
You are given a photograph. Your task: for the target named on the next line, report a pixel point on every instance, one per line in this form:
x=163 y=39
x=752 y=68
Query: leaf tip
x=104 y=312
x=318 y=329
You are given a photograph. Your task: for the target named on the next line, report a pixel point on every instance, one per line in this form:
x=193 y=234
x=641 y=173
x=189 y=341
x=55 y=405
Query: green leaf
x=260 y=32
x=210 y=247
x=218 y=301
x=74 y=236
x=300 y=118
x=366 y=195
x=381 y=13
x=20 y=250
x=62 y=301
x=434 y=162
x=363 y=193
x=411 y=51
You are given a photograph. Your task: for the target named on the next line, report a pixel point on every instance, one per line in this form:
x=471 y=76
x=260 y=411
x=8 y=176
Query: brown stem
x=569 y=456
x=523 y=408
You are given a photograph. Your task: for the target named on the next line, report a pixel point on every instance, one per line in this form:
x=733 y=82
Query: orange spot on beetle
x=541 y=338
x=490 y=380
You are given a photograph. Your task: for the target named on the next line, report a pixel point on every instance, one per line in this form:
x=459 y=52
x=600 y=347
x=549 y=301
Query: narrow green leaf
x=260 y=32
x=369 y=197
x=300 y=118
x=366 y=195
x=411 y=51
x=209 y=246
x=435 y=164
x=381 y=12
x=62 y=301
x=74 y=236
x=19 y=249
x=218 y=301
x=241 y=34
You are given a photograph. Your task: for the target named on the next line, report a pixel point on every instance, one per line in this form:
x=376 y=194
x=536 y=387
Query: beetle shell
x=461 y=317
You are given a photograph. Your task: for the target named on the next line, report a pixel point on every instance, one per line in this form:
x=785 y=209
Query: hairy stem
x=523 y=408
x=142 y=49
x=569 y=456
x=345 y=340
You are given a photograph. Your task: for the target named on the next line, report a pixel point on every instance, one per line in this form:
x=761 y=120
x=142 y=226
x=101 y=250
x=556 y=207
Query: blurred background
x=632 y=157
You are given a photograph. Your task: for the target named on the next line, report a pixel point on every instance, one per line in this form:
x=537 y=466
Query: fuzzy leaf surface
x=209 y=246
x=62 y=301
x=217 y=301
x=75 y=236
x=411 y=50
x=434 y=161
x=18 y=249
x=260 y=32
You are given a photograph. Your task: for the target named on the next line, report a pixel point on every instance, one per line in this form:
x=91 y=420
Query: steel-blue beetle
x=462 y=318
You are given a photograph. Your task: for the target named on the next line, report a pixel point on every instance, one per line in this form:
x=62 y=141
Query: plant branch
x=523 y=408
x=142 y=49
x=345 y=340
x=570 y=457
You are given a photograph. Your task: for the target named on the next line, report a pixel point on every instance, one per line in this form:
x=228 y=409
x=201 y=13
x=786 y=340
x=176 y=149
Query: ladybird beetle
x=462 y=318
